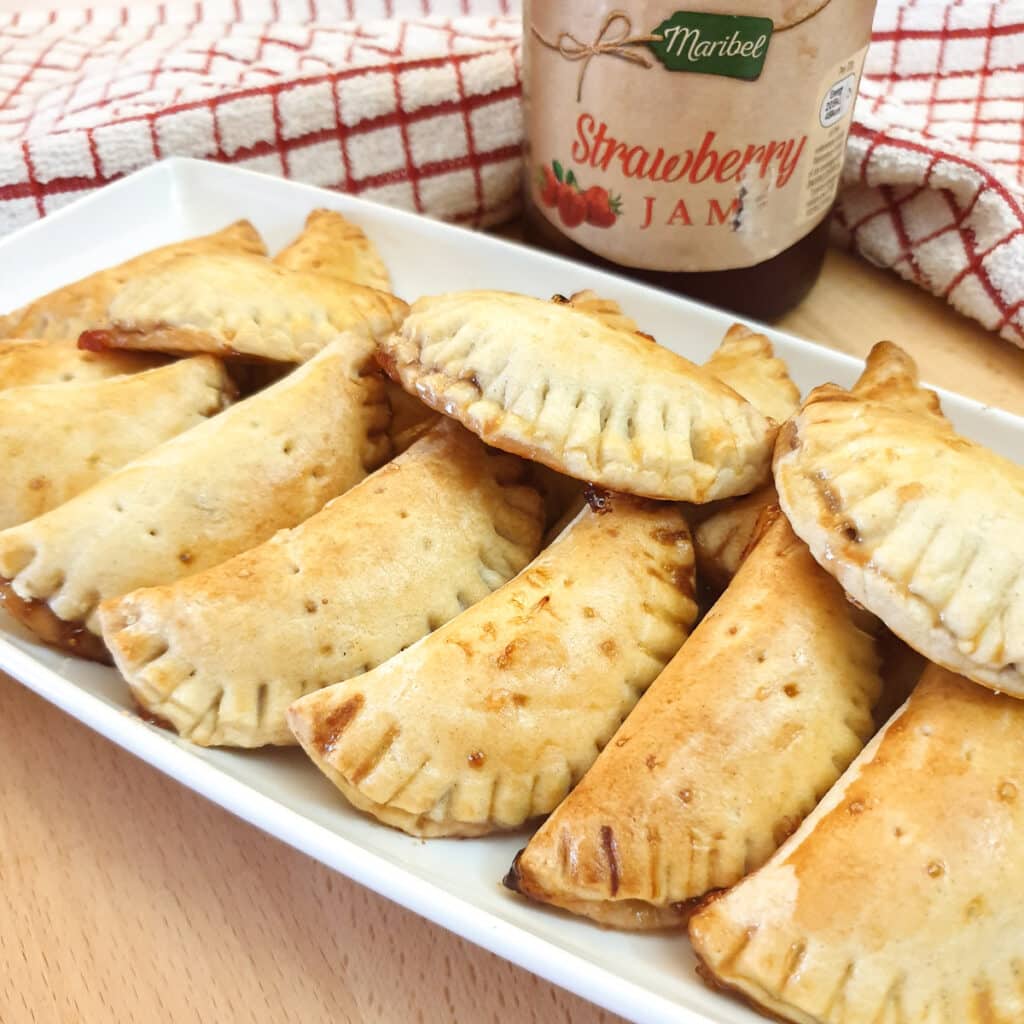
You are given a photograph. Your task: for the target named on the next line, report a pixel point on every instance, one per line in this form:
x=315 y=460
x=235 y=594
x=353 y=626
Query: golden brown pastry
x=238 y=305
x=722 y=532
x=722 y=539
x=734 y=743
x=747 y=362
x=29 y=361
x=58 y=439
x=562 y=387
x=490 y=720
x=79 y=306
x=221 y=654
x=921 y=526
x=329 y=244
x=606 y=310
x=222 y=487
x=410 y=418
x=901 y=898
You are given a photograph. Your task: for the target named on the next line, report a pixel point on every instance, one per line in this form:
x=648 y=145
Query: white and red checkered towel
x=410 y=102
x=934 y=175
x=416 y=103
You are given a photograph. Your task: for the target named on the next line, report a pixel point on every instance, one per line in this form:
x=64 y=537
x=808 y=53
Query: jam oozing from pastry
x=99 y=341
x=36 y=616
x=333 y=724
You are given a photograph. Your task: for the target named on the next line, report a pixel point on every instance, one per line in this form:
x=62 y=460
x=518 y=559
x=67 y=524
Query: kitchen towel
x=409 y=102
x=416 y=103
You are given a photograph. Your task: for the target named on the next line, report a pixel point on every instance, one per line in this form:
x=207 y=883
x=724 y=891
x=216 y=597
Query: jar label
x=689 y=139
x=713 y=44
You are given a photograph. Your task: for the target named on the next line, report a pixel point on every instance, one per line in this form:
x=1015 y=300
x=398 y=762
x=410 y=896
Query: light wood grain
x=126 y=898
x=854 y=304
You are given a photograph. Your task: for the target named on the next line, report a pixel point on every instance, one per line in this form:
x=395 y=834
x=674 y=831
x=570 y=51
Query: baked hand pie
x=722 y=539
x=58 y=439
x=747 y=362
x=220 y=488
x=79 y=306
x=563 y=387
x=723 y=532
x=921 y=526
x=901 y=897
x=490 y=720
x=398 y=555
x=238 y=305
x=29 y=361
x=329 y=244
x=608 y=311
x=733 y=744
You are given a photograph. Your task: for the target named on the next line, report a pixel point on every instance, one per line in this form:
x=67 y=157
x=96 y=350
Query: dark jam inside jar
x=765 y=291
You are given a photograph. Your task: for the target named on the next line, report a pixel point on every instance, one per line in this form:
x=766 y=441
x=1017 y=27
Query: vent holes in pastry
x=936 y=869
x=153 y=532
x=287 y=448
x=791 y=690
x=317 y=472
x=310 y=606
x=326 y=649
x=185 y=557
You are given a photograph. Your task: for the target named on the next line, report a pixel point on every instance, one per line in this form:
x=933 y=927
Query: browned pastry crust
x=332 y=245
x=490 y=720
x=233 y=304
x=899 y=899
x=82 y=305
x=25 y=362
x=776 y=682
x=221 y=654
x=565 y=387
x=221 y=487
x=922 y=527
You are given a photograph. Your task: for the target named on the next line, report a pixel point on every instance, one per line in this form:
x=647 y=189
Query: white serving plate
x=456 y=883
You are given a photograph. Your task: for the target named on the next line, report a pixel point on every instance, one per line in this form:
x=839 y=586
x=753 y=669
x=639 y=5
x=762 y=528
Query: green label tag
x=713 y=44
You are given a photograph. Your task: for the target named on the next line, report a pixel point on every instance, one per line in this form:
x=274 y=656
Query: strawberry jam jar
x=695 y=145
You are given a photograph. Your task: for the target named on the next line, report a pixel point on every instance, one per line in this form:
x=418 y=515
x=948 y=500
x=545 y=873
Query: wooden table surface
x=124 y=897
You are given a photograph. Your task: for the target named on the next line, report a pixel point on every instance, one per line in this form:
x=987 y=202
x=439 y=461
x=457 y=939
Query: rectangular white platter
x=456 y=883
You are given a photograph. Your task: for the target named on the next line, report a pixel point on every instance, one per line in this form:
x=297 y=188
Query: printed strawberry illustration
x=572 y=207
x=595 y=205
x=549 y=187
x=602 y=208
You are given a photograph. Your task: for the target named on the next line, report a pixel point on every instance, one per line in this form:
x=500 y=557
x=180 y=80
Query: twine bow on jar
x=607 y=44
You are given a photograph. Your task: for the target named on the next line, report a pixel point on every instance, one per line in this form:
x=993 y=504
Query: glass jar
x=694 y=145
